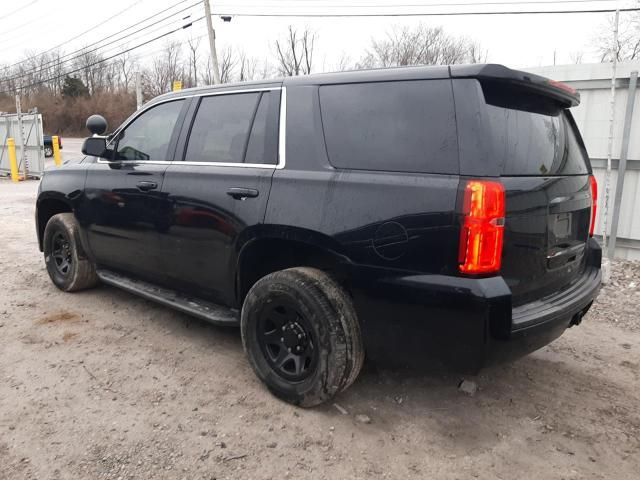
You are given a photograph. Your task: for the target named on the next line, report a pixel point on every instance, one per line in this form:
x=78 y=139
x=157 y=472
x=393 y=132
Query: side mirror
x=96 y=124
x=95 y=147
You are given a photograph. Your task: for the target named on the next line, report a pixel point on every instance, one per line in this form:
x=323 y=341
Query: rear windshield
x=531 y=143
x=406 y=126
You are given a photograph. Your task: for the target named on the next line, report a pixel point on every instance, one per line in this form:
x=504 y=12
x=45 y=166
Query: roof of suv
x=479 y=70
x=375 y=74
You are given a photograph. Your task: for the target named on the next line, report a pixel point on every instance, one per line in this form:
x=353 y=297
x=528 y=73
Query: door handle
x=242 y=193
x=145 y=186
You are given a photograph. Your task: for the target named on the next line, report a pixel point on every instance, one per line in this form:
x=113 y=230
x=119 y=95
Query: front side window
x=148 y=136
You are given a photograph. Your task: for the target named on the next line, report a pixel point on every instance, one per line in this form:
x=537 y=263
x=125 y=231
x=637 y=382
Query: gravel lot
x=101 y=384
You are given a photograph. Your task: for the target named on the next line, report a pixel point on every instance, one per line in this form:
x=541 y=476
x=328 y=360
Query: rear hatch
x=536 y=149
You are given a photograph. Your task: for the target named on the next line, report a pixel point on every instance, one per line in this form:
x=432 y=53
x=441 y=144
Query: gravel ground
x=619 y=300
x=104 y=385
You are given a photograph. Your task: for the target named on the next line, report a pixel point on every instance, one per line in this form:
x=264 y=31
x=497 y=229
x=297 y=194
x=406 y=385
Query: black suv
x=443 y=212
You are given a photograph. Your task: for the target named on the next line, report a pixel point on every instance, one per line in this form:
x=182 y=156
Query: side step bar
x=203 y=309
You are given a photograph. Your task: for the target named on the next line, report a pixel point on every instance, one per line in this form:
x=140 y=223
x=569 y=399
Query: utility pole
x=212 y=42
x=606 y=266
x=24 y=160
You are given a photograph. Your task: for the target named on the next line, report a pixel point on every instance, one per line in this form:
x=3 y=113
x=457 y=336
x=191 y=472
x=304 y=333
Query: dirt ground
x=104 y=385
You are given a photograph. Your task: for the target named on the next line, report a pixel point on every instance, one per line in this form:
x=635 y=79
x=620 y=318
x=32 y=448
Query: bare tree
x=193 y=46
x=124 y=70
x=92 y=69
x=628 y=46
x=206 y=77
x=227 y=65
x=576 y=57
x=295 y=52
x=343 y=63
x=164 y=69
x=477 y=54
x=420 y=45
x=247 y=67
x=267 y=70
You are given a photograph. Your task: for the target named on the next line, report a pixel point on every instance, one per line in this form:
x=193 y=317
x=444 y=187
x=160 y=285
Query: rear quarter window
x=531 y=135
x=406 y=126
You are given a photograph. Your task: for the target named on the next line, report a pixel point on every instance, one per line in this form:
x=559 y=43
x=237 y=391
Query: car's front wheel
x=302 y=336
x=68 y=266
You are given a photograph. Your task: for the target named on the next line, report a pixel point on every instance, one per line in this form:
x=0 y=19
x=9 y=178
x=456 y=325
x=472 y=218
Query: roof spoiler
x=561 y=92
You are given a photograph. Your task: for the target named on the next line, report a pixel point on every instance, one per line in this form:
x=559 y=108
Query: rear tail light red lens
x=482 y=233
x=594 y=203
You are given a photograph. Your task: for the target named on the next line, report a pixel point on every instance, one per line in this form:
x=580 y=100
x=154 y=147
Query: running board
x=203 y=309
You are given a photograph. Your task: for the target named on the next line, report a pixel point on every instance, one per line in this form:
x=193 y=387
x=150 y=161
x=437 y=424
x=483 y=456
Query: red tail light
x=594 y=203
x=482 y=230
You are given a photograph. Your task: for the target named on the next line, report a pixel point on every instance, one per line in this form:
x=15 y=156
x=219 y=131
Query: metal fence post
x=24 y=162
x=622 y=165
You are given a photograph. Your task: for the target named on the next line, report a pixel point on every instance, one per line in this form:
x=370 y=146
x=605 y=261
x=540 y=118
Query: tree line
x=66 y=88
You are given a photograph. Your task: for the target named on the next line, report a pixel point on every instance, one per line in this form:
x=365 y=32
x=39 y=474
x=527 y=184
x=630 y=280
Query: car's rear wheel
x=302 y=336
x=68 y=266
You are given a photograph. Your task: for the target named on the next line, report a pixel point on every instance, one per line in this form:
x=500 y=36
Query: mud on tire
x=68 y=266
x=319 y=315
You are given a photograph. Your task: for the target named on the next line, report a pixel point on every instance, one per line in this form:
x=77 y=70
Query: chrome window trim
x=282 y=132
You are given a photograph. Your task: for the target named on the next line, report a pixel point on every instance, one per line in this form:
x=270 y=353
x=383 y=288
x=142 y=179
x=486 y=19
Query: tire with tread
x=81 y=274
x=330 y=312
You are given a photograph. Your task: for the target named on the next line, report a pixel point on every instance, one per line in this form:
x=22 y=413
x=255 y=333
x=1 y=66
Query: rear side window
x=533 y=141
x=221 y=128
x=406 y=126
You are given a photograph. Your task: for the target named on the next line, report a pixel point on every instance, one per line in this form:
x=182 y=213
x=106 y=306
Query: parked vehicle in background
x=48 y=145
x=441 y=212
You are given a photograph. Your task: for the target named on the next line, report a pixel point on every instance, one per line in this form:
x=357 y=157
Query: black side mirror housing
x=95 y=147
x=96 y=124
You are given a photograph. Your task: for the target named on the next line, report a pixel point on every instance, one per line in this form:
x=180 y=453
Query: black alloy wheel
x=61 y=253
x=287 y=341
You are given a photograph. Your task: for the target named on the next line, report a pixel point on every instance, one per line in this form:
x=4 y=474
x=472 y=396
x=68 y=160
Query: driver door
x=123 y=201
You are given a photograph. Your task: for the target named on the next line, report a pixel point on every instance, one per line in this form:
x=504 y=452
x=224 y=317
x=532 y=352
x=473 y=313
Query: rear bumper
x=538 y=323
x=464 y=322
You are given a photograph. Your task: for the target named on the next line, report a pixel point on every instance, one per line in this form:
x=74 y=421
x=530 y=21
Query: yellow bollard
x=13 y=160
x=56 y=151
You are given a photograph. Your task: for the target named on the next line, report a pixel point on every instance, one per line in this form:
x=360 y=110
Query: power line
x=84 y=67
x=405 y=5
x=448 y=3
x=19 y=9
x=424 y=14
x=85 y=50
x=30 y=22
x=115 y=15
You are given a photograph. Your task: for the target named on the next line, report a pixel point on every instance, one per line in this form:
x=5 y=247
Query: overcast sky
x=514 y=40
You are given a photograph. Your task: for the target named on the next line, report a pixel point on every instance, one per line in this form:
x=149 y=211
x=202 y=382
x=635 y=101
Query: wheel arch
x=46 y=207
x=287 y=248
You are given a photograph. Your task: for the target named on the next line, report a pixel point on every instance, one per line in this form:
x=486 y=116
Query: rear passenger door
x=218 y=192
